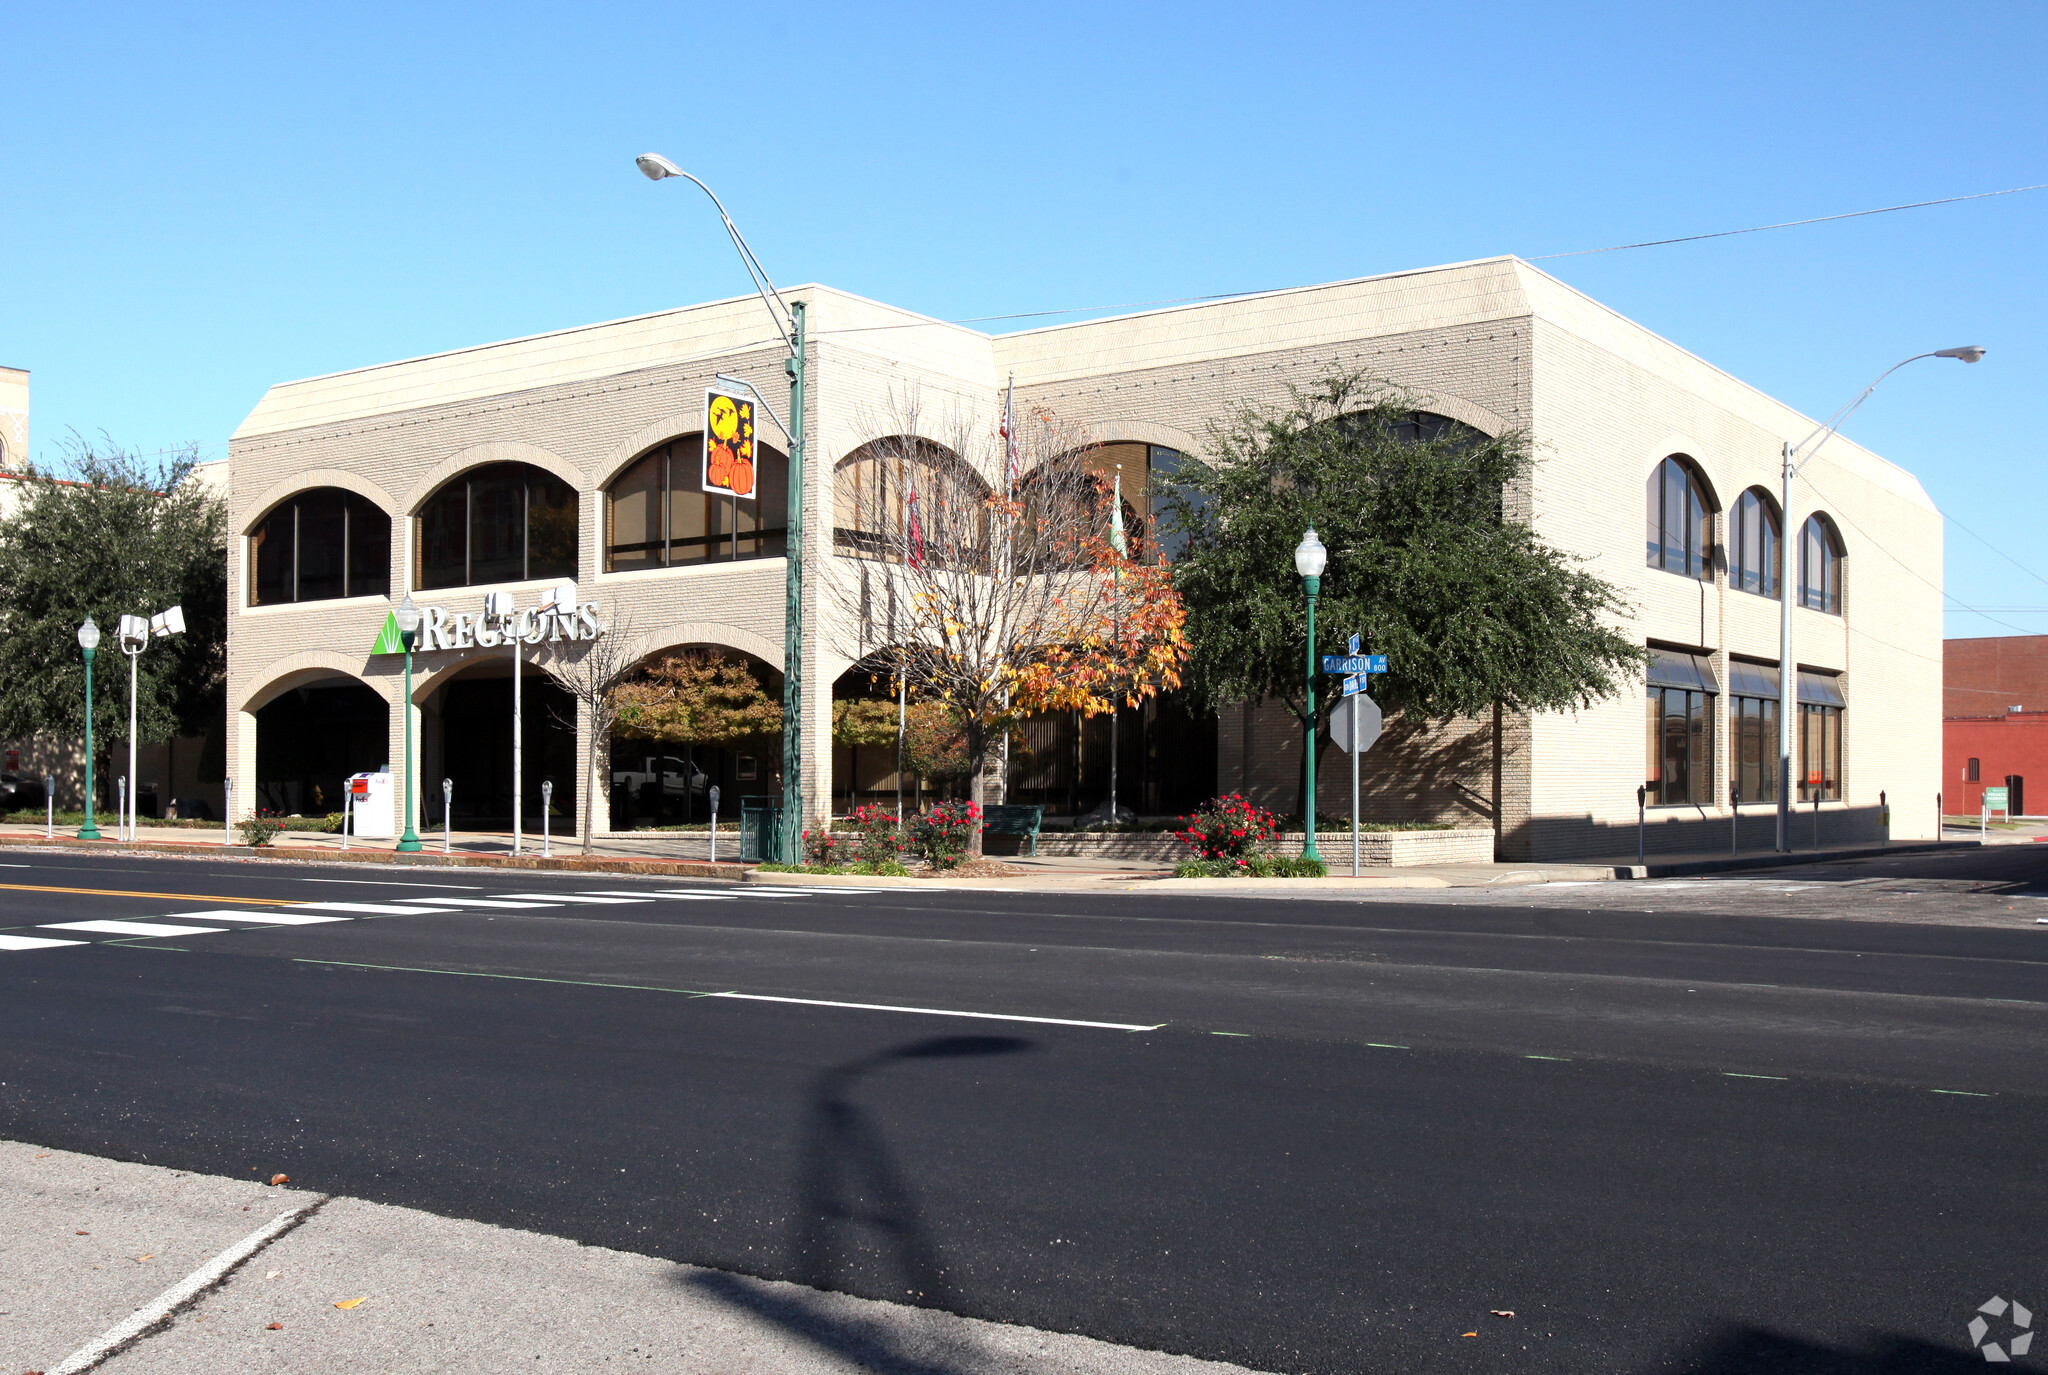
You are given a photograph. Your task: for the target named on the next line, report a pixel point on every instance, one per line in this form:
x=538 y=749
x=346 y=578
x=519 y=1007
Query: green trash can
x=760 y=830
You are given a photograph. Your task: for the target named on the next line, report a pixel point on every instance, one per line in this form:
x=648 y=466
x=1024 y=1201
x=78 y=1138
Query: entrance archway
x=466 y=738
x=311 y=737
x=698 y=738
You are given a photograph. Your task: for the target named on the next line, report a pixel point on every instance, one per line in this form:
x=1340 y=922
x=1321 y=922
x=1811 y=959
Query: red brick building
x=1994 y=729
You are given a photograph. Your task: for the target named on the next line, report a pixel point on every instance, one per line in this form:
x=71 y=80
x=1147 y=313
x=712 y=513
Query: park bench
x=1013 y=821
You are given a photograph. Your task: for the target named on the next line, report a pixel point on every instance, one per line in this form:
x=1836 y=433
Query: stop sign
x=1368 y=724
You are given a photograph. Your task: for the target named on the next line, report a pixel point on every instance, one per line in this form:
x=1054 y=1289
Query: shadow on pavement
x=857 y=1219
x=1759 y=1351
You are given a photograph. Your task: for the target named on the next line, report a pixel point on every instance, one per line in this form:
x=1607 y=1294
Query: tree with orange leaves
x=998 y=601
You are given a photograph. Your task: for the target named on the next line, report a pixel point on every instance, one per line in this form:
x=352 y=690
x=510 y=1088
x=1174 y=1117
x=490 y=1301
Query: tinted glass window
x=506 y=522
x=1680 y=523
x=318 y=545
x=658 y=515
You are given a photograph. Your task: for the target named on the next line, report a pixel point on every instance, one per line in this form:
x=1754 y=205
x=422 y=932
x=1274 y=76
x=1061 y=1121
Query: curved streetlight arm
x=657 y=167
x=1827 y=428
x=738 y=383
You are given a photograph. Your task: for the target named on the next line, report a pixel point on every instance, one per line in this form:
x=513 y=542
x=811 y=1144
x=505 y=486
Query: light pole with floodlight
x=1796 y=457
x=1309 y=558
x=789 y=323
x=408 y=617
x=134 y=635
x=88 y=641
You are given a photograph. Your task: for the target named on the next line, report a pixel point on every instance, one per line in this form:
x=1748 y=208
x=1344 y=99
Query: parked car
x=18 y=792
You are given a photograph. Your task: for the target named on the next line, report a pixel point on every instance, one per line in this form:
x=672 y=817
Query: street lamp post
x=789 y=323
x=408 y=617
x=134 y=633
x=88 y=641
x=1309 y=558
x=1796 y=457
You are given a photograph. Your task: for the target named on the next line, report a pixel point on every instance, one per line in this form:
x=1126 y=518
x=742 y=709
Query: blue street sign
x=1354 y=663
x=1354 y=684
x=1354 y=646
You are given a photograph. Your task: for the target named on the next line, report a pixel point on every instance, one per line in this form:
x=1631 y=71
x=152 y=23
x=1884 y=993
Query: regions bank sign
x=499 y=623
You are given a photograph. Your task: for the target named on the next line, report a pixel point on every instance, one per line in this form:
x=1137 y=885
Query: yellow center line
x=129 y=893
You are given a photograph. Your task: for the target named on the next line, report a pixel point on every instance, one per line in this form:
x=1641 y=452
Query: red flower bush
x=879 y=841
x=1228 y=827
x=941 y=834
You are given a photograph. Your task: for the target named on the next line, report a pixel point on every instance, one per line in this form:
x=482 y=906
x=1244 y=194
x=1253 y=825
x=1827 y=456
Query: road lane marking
x=574 y=898
x=34 y=942
x=265 y=918
x=941 y=1012
x=375 y=909
x=1732 y=1074
x=132 y=893
x=478 y=902
x=184 y=1291
x=1382 y=1045
x=1960 y=1093
x=132 y=928
x=1559 y=1058
x=740 y=997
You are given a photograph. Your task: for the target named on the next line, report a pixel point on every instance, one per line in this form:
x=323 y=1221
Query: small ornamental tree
x=995 y=599
x=699 y=697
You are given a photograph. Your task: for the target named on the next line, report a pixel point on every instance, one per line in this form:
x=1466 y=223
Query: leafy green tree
x=1472 y=610
x=116 y=534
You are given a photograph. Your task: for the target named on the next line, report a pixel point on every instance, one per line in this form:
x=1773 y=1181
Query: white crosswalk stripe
x=261 y=918
x=132 y=928
x=704 y=893
x=374 y=909
x=477 y=902
x=34 y=942
x=576 y=898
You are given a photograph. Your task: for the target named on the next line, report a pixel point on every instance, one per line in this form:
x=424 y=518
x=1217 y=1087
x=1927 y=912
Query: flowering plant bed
x=1228 y=828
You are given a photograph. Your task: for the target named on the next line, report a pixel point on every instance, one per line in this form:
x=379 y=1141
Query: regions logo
x=2013 y=1336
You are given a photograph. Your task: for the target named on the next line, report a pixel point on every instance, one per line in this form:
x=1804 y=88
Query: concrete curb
x=590 y=864
x=1737 y=863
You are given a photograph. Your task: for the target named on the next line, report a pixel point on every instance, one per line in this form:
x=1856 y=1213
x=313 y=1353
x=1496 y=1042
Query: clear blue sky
x=199 y=204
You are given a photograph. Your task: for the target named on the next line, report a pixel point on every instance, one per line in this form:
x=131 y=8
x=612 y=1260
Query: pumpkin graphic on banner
x=728 y=444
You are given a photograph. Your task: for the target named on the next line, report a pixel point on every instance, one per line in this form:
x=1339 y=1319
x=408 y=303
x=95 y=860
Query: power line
x=1791 y=224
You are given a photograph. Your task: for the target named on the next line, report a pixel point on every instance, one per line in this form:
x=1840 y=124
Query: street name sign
x=1354 y=663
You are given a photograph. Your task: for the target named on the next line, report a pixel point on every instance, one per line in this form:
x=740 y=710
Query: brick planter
x=1376 y=849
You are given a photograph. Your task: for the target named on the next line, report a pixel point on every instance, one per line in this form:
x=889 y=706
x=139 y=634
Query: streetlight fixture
x=1310 y=557
x=789 y=324
x=408 y=617
x=1796 y=457
x=134 y=635
x=89 y=642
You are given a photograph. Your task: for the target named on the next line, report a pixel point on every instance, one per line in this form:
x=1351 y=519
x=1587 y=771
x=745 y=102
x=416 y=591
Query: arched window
x=318 y=545
x=658 y=515
x=1753 y=544
x=1820 y=566
x=503 y=522
x=1681 y=522
x=908 y=494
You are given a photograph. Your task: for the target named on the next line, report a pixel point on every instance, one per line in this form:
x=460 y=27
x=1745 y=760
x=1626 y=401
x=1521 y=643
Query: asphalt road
x=1665 y=1127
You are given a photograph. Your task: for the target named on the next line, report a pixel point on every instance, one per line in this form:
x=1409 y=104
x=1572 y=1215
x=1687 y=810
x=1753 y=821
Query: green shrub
x=941 y=834
x=1253 y=866
x=259 y=830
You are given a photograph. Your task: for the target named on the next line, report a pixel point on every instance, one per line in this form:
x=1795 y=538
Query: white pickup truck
x=678 y=777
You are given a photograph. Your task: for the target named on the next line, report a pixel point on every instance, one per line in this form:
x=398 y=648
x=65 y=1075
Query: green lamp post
x=408 y=617
x=789 y=323
x=1309 y=558
x=89 y=641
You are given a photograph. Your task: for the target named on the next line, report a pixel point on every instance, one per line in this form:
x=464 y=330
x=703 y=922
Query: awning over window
x=1674 y=669
x=1821 y=689
x=1752 y=680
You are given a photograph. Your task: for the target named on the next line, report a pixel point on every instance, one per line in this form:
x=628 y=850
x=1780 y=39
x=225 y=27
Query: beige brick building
x=425 y=475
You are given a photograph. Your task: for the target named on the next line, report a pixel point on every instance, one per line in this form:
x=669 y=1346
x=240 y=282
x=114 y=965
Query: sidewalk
x=89 y=1246
x=686 y=855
